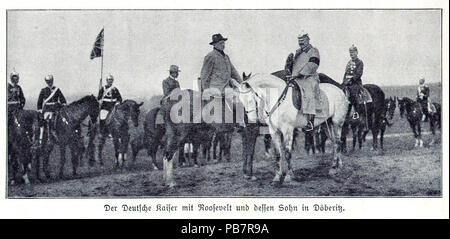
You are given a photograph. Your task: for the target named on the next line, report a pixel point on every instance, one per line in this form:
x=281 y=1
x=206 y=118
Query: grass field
x=400 y=170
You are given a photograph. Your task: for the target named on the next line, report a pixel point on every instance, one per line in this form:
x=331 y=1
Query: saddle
x=364 y=96
x=110 y=114
x=322 y=107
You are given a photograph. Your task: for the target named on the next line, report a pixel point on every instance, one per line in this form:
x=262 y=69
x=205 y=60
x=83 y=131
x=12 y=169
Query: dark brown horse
x=23 y=143
x=414 y=115
x=117 y=125
x=68 y=121
x=373 y=114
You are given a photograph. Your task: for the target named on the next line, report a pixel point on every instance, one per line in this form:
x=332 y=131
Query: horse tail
x=151 y=128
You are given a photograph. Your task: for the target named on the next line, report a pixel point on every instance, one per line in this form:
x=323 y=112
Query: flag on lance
x=97 y=50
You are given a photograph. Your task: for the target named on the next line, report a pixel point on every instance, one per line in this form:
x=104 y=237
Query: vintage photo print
x=225 y=110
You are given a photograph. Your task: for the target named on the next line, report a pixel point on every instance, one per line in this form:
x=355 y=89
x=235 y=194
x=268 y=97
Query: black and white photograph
x=224 y=103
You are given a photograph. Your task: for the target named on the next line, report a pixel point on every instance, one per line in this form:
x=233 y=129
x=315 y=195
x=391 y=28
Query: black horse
x=372 y=114
x=23 y=142
x=116 y=124
x=68 y=120
x=414 y=115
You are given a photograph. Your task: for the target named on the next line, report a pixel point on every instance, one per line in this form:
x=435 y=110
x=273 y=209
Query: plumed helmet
x=49 y=78
x=303 y=34
x=14 y=74
x=109 y=77
x=353 y=48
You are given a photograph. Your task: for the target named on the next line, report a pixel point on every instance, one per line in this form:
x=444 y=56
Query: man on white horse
x=303 y=69
x=109 y=96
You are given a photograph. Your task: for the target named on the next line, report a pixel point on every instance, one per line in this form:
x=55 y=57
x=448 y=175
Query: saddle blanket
x=364 y=96
x=322 y=107
x=159 y=118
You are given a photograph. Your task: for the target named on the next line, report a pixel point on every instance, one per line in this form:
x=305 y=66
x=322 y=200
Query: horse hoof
x=276 y=178
x=332 y=172
x=288 y=178
x=196 y=166
x=172 y=185
x=246 y=176
x=253 y=178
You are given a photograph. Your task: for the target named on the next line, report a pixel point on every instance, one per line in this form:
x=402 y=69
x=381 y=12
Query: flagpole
x=101 y=70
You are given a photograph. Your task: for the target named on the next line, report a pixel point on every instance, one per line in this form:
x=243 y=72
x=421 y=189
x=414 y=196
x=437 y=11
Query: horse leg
x=375 y=129
x=75 y=156
x=432 y=128
x=47 y=148
x=125 y=140
x=117 y=154
x=227 y=146
x=382 y=129
x=419 y=130
x=152 y=148
x=101 y=143
x=288 y=141
x=267 y=143
x=277 y=141
x=356 y=136
x=62 y=152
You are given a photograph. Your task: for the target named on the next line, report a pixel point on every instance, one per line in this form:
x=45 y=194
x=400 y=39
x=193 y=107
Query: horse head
x=390 y=107
x=135 y=112
x=250 y=100
x=94 y=110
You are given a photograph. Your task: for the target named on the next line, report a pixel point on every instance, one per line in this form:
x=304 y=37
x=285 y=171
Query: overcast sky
x=397 y=47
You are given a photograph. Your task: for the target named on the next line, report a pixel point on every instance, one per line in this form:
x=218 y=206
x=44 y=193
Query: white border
x=355 y=207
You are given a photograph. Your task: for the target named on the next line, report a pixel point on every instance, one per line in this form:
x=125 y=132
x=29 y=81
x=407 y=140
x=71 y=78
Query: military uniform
x=423 y=93
x=353 y=72
x=16 y=99
x=304 y=67
x=50 y=100
x=109 y=97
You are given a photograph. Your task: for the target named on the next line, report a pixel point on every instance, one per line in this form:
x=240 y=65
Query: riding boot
x=310 y=124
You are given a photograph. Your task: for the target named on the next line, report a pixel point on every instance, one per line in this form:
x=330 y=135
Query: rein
x=275 y=107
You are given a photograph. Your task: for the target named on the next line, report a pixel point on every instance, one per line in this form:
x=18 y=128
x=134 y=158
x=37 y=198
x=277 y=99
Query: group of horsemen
x=217 y=73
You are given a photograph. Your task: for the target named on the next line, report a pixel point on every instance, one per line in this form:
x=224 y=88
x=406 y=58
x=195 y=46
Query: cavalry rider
x=49 y=102
x=109 y=96
x=302 y=67
x=353 y=74
x=16 y=99
x=423 y=93
x=171 y=83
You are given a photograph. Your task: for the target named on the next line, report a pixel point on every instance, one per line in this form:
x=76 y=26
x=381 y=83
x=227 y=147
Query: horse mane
x=83 y=100
x=266 y=81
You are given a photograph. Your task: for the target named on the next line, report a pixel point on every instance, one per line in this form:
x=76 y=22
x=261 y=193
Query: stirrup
x=355 y=116
x=309 y=127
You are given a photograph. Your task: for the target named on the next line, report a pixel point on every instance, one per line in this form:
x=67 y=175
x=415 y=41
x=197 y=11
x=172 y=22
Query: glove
x=40 y=111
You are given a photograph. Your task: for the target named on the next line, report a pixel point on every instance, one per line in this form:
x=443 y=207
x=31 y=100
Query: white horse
x=260 y=96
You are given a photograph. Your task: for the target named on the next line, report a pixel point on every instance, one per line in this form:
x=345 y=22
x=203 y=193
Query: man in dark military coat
x=108 y=96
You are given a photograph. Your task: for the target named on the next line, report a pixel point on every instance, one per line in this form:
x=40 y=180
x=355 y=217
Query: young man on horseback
x=423 y=92
x=303 y=69
x=108 y=96
x=16 y=98
x=49 y=102
x=352 y=76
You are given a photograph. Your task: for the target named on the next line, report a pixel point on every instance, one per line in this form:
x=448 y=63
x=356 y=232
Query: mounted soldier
x=108 y=97
x=50 y=100
x=423 y=93
x=16 y=99
x=302 y=68
x=352 y=76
